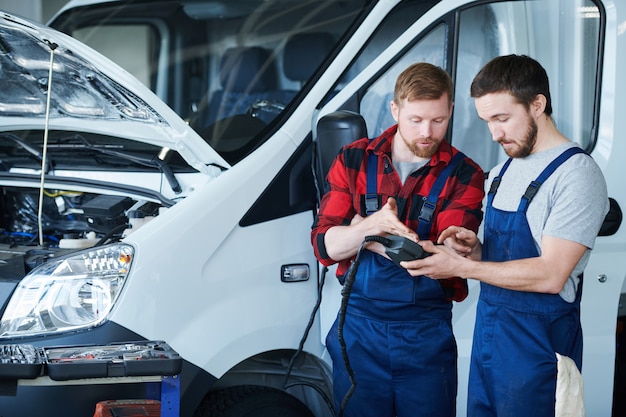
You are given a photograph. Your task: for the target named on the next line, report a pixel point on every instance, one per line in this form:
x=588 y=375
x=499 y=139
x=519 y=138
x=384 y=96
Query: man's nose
x=426 y=130
x=496 y=133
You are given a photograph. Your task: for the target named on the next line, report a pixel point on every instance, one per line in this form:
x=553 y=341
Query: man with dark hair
x=408 y=181
x=545 y=206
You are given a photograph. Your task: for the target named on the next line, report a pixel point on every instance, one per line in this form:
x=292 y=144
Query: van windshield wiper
x=27 y=147
x=153 y=161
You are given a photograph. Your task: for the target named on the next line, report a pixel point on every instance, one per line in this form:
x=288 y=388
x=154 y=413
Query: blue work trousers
x=400 y=345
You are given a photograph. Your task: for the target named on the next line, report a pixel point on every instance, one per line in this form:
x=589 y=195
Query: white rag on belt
x=569 y=389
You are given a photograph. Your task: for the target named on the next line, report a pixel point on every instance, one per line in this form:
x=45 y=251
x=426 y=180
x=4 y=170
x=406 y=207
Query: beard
x=421 y=151
x=528 y=143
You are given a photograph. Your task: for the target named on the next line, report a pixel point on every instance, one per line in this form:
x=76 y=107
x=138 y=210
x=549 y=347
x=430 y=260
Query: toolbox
x=22 y=361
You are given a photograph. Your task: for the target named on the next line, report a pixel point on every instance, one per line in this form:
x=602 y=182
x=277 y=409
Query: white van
x=210 y=201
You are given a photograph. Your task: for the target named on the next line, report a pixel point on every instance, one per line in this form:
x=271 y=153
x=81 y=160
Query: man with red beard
x=407 y=182
x=545 y=206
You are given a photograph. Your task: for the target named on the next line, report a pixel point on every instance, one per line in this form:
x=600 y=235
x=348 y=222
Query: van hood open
x=88 y=93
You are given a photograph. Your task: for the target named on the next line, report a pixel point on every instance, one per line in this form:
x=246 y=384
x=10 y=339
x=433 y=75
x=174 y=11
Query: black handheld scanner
x=400 y=249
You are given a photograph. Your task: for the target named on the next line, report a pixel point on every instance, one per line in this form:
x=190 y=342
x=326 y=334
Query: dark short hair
x=423 y=81
x=521 y=76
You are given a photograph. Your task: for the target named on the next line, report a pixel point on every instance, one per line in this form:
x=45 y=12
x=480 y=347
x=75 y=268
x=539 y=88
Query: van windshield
x=227 y=67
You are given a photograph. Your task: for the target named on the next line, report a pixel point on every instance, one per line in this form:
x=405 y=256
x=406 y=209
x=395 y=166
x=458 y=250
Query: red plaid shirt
x=459 y=204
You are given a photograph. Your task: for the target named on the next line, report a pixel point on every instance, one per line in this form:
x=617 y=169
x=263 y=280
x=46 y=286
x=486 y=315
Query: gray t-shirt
x=571 y=204
x=404 y=169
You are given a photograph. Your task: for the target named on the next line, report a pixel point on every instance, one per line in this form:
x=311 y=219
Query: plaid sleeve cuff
x=455 y=289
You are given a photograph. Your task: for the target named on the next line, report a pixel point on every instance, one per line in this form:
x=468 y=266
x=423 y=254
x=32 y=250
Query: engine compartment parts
x=71 y=219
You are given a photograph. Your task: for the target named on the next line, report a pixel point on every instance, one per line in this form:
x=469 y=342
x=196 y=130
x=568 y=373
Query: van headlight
x=68 y=293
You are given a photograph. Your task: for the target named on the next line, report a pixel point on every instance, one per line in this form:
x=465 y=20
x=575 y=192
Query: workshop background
x=38 y=10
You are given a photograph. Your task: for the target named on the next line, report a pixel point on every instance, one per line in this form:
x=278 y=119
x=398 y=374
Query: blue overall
x=398 y=334
x=513 y=363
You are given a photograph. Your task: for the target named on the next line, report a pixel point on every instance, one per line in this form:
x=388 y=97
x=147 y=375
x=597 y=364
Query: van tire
x=251 y=401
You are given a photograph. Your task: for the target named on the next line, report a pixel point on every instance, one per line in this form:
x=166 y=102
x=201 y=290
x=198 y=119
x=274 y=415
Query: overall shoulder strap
x=493 y=188
x=534 y=185
x=371 y=196
x=430 y=202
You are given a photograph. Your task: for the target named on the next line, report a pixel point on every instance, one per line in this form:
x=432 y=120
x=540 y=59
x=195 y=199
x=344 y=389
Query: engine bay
x=70 y=221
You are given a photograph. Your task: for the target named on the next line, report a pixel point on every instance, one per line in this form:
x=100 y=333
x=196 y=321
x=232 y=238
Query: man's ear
x=394 y=110
x=538 y=106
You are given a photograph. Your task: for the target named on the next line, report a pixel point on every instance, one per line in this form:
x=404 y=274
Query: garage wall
x=38 y=10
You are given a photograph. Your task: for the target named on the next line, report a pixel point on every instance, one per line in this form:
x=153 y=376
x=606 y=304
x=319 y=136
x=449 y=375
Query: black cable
x=328 y=401
x=341 y=318
x=345 y=295
x=116 y=230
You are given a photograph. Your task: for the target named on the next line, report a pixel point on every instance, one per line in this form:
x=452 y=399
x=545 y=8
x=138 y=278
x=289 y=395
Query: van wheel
x=251 y=401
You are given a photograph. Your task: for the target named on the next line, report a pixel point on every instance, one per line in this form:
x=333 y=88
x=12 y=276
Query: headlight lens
x=68 y=293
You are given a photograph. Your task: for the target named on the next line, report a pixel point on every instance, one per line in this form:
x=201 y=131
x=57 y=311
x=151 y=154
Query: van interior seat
x=250 y=84
x=247 y=74
x=303 y=54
